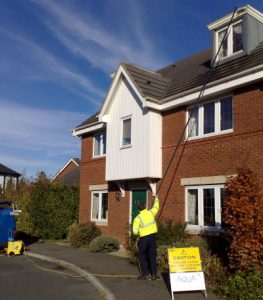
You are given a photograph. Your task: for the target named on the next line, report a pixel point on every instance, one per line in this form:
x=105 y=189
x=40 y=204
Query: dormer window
x=232 y=42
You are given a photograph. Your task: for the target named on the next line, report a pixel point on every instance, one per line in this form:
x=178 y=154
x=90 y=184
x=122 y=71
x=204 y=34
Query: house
x=6 y=175
x=69 y=173
x=180 y=131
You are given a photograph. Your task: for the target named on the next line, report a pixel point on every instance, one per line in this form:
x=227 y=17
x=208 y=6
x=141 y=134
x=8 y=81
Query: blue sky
x=56 y=58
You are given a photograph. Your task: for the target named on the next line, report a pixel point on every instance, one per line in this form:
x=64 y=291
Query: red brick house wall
x=212 y=156
x=217 y=155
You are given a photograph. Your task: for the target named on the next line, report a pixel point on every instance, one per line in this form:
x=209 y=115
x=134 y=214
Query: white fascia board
x=218 y=87
x=121 y=72
x=240 y=12
x=80 y=132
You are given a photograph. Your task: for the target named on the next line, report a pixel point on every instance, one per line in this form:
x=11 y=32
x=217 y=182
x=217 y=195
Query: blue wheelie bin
x=7 y=223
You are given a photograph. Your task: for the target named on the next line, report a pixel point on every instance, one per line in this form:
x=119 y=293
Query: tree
x=243 y=219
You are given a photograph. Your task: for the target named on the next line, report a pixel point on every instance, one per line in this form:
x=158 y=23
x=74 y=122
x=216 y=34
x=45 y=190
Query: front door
x=138 y=196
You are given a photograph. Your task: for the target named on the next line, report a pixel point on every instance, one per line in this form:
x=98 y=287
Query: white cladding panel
x=143 y=158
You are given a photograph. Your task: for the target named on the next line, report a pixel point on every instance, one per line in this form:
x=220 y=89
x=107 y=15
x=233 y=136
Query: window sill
x=100 y=223
x=230 y=57
x=206 y=230
x=99 y=156
x=192 y=138
x=126 y=146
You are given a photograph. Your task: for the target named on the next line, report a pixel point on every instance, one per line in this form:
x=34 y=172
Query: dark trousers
x=147 y=254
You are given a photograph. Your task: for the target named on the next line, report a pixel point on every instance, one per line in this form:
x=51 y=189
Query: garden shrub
x=243 y=286
x=104 y=243
x=243 y=221
x=170 y=232
x=80 y=235
x=215 y=273
x=47 y=208
x=190 y=241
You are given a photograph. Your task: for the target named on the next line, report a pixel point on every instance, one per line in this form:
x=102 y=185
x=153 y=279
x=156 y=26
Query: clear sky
x=56 y=57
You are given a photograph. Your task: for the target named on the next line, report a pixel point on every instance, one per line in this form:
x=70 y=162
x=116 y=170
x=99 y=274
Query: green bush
x=104 y=243
x=80 y=235
x=48 y=209
x=190 y=241
x=215 y=273
x=243 y=286
x=170 y=232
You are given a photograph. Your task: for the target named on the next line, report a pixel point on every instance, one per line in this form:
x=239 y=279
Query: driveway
x=21 y=279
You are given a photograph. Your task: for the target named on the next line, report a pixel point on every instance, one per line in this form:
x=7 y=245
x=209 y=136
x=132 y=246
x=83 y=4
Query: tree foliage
x=48 y=209
x=243 y=221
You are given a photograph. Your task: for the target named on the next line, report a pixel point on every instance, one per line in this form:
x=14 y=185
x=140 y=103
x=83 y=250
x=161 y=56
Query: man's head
x=141 y=206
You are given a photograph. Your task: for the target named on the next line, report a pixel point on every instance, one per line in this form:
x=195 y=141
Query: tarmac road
x=21 y=279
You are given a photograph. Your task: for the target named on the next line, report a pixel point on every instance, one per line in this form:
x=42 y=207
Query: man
x=145 y=226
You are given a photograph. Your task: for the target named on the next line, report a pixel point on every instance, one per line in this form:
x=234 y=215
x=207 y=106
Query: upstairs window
x=99 y=148
x=233 y=42
x=210 y=118
x=126 y=132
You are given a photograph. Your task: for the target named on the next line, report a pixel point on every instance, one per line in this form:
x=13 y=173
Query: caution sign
x=184 y=260
x=186 y=270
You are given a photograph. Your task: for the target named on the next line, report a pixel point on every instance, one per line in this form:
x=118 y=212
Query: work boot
x=155 y=277
x=142 y=277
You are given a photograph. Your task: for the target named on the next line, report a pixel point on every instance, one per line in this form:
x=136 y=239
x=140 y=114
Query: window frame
x=122 y=145
x=101 y=154
x=230 y=41
x=218 y=208
x=217 y=119
x=99 y=220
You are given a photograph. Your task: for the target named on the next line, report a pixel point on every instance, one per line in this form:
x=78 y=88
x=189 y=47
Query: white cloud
x=42 y=65
x=34 y=129
x=102 y=47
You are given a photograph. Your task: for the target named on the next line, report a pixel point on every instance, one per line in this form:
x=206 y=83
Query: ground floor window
x=99 y=206
x=204 y=206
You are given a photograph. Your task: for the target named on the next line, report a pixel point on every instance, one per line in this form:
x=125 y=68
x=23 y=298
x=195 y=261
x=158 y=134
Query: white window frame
x=229 y=38
x=122 y=123
x=218 y=209
x=217 y=120
x=101 y=154
x=99 y=220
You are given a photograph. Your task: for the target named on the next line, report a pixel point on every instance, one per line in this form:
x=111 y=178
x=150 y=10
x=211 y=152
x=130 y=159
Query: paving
x=21 y=279
x=98 y=266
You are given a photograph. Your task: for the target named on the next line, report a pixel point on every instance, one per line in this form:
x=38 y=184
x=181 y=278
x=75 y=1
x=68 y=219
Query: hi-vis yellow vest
x=145 y=224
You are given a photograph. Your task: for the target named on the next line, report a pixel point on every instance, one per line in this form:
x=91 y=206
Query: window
x=210 y=118
x=1 y=183
x=226 y=114
x=99 y=211
x=126 y=132
x=193 y=122
x=99 y=144
x=203 y=206
x=232 y=41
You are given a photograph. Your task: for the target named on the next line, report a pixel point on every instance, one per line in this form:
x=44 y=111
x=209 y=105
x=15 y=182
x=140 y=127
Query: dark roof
x=93 y=119
x=185 y=75
x=71 y=178
x=191 y=72
x=7 y=171
x=149 y=83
